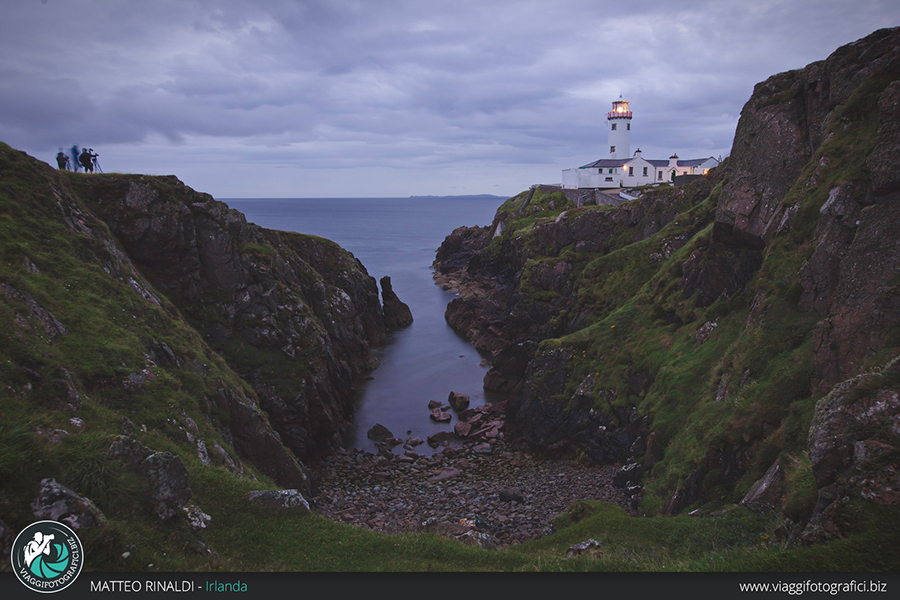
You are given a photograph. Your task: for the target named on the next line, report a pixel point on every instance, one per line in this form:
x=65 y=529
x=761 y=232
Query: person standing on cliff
x=86 y=161
x=75 y=154
x=62 y=160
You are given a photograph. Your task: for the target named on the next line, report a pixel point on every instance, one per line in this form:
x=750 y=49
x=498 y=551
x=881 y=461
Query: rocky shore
x=485 y=493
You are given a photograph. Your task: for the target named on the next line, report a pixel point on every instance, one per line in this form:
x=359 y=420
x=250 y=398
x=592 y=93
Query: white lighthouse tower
x=619 y=123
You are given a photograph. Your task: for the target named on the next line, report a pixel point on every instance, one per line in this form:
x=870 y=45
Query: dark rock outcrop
x=851 y=442
x=56 y=502
x=165 y=476
x=295 y=315
x=396 y=314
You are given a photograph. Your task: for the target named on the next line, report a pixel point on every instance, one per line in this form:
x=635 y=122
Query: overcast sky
x=309 y=98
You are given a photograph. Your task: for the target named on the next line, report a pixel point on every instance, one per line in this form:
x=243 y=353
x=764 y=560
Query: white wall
x=620 y=138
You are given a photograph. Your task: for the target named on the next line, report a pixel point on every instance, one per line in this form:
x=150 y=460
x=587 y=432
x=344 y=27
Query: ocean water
x=397 y=237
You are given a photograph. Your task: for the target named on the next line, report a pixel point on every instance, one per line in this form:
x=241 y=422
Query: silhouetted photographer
x=88 y=160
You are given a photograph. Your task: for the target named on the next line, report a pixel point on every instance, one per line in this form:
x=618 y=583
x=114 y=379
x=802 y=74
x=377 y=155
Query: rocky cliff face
x=134 y=305
x=294 y=315
x=692 y=332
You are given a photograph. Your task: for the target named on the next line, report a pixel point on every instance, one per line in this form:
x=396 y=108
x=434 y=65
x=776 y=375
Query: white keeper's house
x=624 y=170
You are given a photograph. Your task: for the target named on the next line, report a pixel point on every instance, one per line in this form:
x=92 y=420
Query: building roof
x=606 y=162
x=693 y=162
x=618 y=162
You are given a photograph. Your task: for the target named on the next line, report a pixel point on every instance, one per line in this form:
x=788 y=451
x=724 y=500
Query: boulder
x=129 y=450
x=168 y=479
x=591 y=546
x=482 y=449
x=511 y=495
x=288 y=500
x=459 y=402
x=462 y=429
x=768 y=491
x=197 y=519
x=163 y=472
x=379 y=433
x=440 y=416
x=56 y=502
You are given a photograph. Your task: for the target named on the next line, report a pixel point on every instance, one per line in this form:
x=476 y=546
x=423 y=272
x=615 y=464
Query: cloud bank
x=393 y=98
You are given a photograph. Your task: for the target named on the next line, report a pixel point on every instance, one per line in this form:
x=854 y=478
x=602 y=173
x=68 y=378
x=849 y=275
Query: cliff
x=154 y=342
x=723 y=339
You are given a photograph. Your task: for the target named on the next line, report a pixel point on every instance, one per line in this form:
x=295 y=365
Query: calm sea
x=396 y=237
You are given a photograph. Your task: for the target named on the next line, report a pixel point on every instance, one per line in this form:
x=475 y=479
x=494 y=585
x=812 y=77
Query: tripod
x=96 y=164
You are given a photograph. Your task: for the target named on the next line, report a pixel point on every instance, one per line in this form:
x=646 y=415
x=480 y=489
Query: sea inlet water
x=396 y=237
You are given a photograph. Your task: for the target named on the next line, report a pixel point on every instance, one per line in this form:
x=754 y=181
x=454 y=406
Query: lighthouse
x=619 y=124
x=622 y=170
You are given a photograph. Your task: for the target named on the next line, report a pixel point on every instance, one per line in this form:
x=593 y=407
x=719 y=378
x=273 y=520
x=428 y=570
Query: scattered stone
x=389 y=493
x=484 y=448
x=462 y=429
x=440 y=416
x=197 y=519
x=54 y=436
x=289 y=500
x=591 y=546
x=704 y=331
x=444 y=474
x=77 y=423
x=433 y=404
x=415 y=441
x=56 y=502
x=459 y=402
x=480 y=539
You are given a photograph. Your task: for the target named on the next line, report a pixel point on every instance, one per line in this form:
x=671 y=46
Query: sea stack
x=396 y=314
